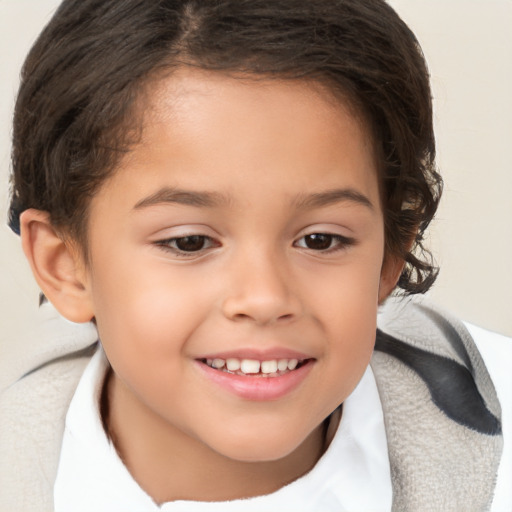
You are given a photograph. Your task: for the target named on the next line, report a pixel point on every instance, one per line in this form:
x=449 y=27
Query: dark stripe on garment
x=85 y=352
x=450 y=333
x=450 y=384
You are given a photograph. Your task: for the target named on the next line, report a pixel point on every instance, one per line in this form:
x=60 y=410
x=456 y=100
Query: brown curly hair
x=75 y=112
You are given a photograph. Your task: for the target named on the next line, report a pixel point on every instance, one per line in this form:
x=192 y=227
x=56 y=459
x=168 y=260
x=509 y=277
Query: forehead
x=188 y=95
x=219 y=130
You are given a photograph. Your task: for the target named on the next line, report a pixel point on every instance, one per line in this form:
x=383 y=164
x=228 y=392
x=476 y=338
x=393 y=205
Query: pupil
x=318 y=241
x=190 y=243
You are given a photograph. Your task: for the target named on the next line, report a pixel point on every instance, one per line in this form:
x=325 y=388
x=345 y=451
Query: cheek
x=347 y=297
x=147 y=311
x=144 y=324
x=347 y=312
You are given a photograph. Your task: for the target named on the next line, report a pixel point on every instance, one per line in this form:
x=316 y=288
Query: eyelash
x=170 y=244
x=335 y=243
x=340 y=242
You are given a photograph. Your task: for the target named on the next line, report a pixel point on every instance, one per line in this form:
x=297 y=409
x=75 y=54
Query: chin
x=264 y=446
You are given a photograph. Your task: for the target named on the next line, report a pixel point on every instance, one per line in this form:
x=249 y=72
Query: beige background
x=468 y=44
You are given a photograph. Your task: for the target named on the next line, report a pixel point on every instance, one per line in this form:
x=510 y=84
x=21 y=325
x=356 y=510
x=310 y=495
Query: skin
x=280 y=160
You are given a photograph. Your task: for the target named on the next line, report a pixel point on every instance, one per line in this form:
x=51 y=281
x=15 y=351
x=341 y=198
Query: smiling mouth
x=254 y=367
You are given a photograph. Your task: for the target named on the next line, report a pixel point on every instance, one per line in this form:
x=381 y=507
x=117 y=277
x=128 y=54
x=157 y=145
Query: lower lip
x=256 y=387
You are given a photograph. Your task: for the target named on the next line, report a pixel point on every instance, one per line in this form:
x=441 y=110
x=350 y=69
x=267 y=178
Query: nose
x=261 y=290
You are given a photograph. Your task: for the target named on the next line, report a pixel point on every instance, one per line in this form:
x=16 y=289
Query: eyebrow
x=185 y=197
x=328 y=197
x=204 y=199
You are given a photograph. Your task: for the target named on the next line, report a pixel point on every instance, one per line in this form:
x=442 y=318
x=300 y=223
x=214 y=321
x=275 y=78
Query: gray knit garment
x=441 y=412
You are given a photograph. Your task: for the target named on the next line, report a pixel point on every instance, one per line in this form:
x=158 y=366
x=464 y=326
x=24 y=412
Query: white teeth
x=292 y=364
x=250 y=366
x=282 y=365
x=233 y=364
x=269 y=366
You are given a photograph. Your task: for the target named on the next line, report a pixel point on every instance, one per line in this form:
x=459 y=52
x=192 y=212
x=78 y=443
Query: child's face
x=245 y=225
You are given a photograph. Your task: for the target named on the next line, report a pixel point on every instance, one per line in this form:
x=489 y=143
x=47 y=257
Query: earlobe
x=389 y=276
x=57 y=266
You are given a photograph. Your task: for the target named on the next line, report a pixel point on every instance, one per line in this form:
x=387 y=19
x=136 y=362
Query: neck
x=170 y=465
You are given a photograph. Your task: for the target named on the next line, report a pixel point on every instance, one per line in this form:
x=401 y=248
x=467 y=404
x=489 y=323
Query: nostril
x=241 y=316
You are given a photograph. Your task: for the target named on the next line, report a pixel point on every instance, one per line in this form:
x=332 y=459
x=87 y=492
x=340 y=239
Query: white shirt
x=352 y=475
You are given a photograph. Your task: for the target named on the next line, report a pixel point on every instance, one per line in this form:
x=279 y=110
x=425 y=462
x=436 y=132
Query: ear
x=390 y=274
x=57 y=266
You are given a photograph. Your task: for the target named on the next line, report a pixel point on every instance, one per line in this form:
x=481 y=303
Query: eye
x=325 y=242
x=188 y=244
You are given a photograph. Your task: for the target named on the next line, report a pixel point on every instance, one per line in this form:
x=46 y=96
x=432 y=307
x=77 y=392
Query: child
x=223 y=193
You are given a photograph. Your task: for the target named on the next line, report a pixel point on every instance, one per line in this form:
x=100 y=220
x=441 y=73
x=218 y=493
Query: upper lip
x=258 y=354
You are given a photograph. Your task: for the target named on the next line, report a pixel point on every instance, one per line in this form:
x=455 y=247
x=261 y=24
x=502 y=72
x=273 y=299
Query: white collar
x=353 y=474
